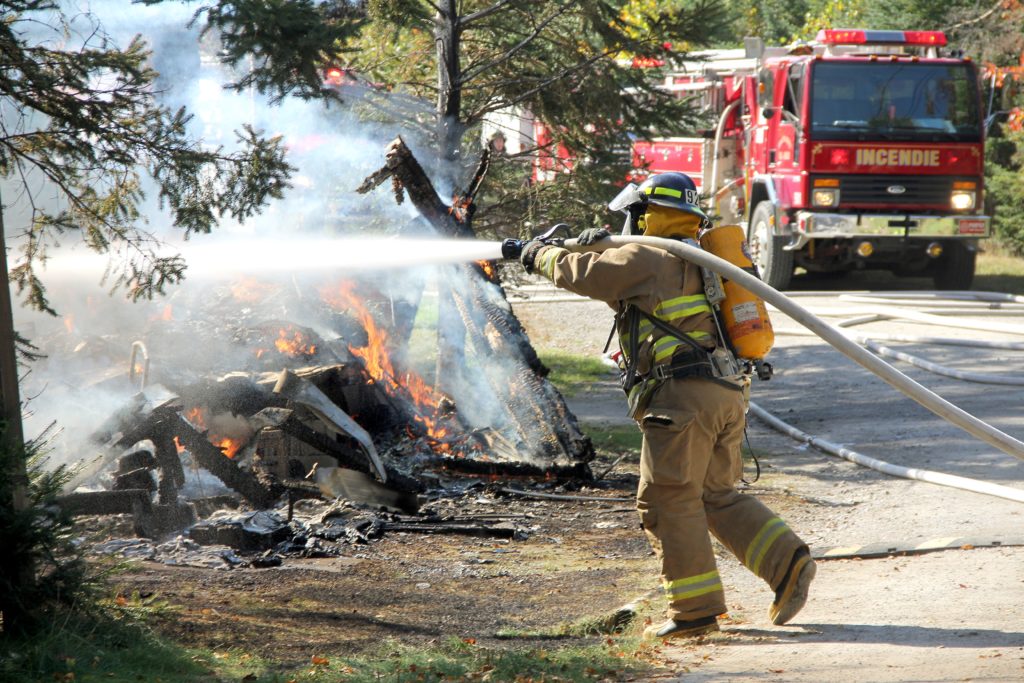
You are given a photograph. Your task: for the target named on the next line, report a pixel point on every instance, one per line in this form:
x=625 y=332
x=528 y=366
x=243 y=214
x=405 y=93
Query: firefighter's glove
x=530 y=251
x=591 y=235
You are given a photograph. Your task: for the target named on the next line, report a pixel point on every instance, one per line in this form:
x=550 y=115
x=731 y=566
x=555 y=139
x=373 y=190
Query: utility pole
x=12 y=442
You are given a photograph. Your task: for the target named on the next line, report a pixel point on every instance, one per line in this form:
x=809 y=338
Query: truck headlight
x=825 y=196
x=962 y=200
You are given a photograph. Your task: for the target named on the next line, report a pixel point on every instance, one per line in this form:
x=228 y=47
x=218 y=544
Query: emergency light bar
x=857 y=36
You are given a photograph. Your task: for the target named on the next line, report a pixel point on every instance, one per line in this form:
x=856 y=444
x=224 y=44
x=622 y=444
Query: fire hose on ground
x=848 y=347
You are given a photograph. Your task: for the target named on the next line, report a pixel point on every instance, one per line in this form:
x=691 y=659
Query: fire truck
x=860 y=150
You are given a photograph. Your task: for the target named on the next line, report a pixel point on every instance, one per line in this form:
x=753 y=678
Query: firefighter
x=692 y=418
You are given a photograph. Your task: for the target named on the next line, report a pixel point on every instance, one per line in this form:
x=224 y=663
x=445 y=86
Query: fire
x=292 y=346
x=460 y=207
x=488 y=268
x=229 y=446
x=69 y=323
x=378 y=363
x=196 y=415
x=166 y=315
x=250 y=290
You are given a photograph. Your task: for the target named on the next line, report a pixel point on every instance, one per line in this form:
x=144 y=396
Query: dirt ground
x=879 y=611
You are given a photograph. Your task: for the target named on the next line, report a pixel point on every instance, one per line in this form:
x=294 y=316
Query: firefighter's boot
x=682 y=629
x=791 y=595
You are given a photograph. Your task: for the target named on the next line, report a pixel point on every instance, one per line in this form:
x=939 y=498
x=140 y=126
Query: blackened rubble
x=305 y=416
x=232 y=538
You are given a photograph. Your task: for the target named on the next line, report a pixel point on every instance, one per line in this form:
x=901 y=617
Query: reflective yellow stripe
x=545 y=265
x=758 y=547
x=665 y=347
x=665 y=190
x=693 y=586
x=682 y=307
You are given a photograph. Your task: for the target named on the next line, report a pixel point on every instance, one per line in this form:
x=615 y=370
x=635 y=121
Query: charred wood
x=343 y=453
x=576 y=472
x=172 y=474
x=405 y=171
x=141 y=478
x=259 y=494
x=128 y=501
x=537 y=409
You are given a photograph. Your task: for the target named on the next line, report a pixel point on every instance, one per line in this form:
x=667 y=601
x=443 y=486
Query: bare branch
x=982 y=17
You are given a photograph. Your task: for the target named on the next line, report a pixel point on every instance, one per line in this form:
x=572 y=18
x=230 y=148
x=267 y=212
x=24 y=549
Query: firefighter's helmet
x=672 y=195
x=674 y=190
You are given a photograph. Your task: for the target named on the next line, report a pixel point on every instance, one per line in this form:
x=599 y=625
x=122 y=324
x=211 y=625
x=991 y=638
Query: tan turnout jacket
x=651 y=279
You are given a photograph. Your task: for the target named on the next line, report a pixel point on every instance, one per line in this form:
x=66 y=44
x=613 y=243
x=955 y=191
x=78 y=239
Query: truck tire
x=955 y=269
x=774 y=263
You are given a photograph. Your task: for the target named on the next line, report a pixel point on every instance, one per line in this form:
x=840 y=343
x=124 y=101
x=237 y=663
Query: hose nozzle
x=513 y=248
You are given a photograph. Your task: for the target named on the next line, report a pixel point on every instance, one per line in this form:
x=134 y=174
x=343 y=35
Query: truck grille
x=918 y=191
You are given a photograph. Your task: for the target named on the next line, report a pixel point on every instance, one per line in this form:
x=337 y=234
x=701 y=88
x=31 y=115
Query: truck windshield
x=894 y=101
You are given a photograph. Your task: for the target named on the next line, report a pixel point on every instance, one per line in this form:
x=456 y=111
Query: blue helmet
x=674 y=190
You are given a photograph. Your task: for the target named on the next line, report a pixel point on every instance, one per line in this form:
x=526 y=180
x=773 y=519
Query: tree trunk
x=449 y=87
x=538 y=412
x=14 y=480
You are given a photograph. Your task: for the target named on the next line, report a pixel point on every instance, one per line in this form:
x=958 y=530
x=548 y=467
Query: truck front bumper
x=813 y=225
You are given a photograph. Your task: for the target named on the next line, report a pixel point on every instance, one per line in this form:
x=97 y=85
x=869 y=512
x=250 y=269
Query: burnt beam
x=245 y=483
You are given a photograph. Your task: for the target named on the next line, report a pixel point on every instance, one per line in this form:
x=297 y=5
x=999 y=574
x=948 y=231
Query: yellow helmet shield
x=662 y=221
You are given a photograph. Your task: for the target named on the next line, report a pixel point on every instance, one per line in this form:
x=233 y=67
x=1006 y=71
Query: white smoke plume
x=313 y=232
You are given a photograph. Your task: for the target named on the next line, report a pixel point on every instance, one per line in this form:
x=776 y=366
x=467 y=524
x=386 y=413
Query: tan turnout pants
x=689 y=464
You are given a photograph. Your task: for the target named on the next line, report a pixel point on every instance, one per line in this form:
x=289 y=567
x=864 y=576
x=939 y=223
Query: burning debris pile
x=269 y=396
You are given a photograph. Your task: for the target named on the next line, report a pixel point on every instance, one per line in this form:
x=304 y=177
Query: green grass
x=998 y=271
x=614 y=439
x=113 y=648
x=107 y=647
x=572 y=373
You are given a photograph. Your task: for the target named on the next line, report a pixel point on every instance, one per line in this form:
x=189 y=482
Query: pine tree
x=81 y=135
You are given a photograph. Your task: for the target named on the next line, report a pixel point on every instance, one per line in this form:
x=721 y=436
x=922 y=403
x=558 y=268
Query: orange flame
x=250 y=290
x=488 y=269
x=69 y=323
x=460 y=207
x=229 y=446
x=378 y=363
x=196 y=415
x=167 y=314
x=294 y=346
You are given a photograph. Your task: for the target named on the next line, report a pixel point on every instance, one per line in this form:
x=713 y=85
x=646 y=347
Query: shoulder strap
x=668 y=329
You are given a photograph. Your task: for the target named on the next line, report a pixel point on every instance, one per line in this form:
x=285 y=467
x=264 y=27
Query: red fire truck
x=861 y=150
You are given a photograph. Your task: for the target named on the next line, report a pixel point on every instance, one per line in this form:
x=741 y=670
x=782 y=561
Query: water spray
x=299 y=255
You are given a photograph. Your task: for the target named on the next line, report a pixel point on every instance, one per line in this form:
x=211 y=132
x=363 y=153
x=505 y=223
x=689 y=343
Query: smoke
x=321 y=231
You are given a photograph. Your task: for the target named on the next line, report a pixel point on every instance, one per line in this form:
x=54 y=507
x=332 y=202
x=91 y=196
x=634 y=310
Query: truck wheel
x=773 y=262
x=955 y=269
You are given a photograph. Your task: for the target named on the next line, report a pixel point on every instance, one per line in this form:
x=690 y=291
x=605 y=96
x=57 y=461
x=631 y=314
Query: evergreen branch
x=470 y=19
x=512 y=51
